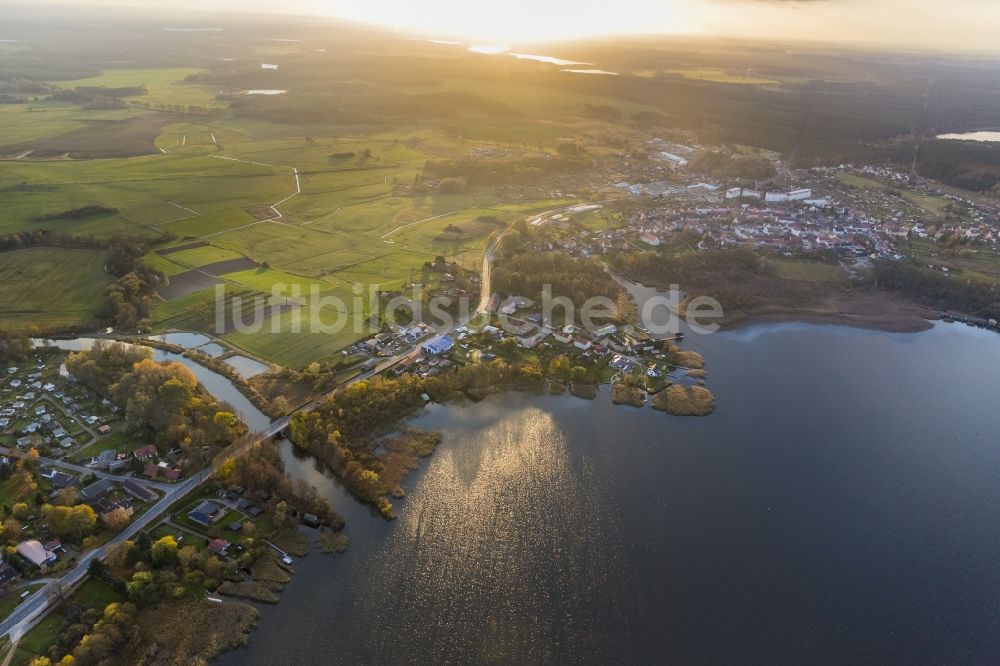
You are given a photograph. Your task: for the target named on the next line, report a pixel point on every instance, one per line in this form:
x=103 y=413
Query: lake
x=549 y=59
x=591 y=71
x=972 y=136
x=841 y=505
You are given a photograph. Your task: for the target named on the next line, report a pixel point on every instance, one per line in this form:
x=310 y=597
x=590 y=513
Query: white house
x=605 y=331
x=35 y=552
x=664 y=156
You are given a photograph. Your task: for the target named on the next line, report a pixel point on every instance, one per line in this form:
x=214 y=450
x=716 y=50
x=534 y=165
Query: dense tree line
x=526 y=170
x=604 y=112
x=14 y=348
x=968 y=165
x=46 y=238
x=129 y=299
x=147 y=573
x=938 y=290
x=739 y=279
x=528 y=273
x=744 y=168
x=78 y=213
x=86 y=94
x=162 y=401
x=262 y=474
x=364 y=105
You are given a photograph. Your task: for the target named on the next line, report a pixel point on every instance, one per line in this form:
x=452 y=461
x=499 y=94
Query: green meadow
x=222 y=187
x=51 y=287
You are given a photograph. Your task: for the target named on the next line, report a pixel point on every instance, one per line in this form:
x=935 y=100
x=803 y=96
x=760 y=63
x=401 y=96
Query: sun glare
x=520 y=21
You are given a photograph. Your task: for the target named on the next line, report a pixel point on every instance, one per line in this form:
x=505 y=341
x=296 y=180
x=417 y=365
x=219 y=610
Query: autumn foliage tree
x=162 y=401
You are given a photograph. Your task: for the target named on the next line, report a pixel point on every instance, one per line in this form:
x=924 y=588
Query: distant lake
x=972 y=136
x=489 y=49
x=549 y=59
x=840 y=506
x=266 y=92
x=591 y=71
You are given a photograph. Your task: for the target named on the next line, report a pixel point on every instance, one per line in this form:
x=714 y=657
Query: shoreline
x=874 y=312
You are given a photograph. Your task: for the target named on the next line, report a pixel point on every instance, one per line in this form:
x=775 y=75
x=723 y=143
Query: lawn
x=218 y=529
x=48 y=287
x=804 y=270
x=186 y=538
x=96 y=594
x=932 y=204
x=42 y=636
x=117 y=439
x=164 y=85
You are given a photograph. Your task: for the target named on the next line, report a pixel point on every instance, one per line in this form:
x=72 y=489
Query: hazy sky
x=955 y=24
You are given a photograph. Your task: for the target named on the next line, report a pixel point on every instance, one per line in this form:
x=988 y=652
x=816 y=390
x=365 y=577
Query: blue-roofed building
x=207 y=513
x=438 y=346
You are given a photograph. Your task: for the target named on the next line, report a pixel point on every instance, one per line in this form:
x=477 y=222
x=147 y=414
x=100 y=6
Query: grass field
x=96 y=594
x=118 y=440
x=803 y=270
x=185 y=537
x=218 y=184
x=163 y=85
x=37 y=642
x=45 y=286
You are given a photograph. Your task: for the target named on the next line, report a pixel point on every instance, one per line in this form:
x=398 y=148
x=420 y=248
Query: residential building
x=35 y=552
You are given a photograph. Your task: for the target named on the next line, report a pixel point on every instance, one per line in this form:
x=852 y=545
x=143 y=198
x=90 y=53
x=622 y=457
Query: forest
x=968 y=165
x=938 y=290
x=523 y=171
x=162 y=401
x=739 y=279
x=744 y=169
x=527 y=273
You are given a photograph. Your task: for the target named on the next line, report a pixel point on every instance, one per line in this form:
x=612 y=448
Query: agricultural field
x=163 y=85
x=51 y=287
x=251 y=212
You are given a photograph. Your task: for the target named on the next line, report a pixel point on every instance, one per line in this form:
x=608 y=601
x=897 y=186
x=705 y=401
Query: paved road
x=81 y=469
x=18 y=622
